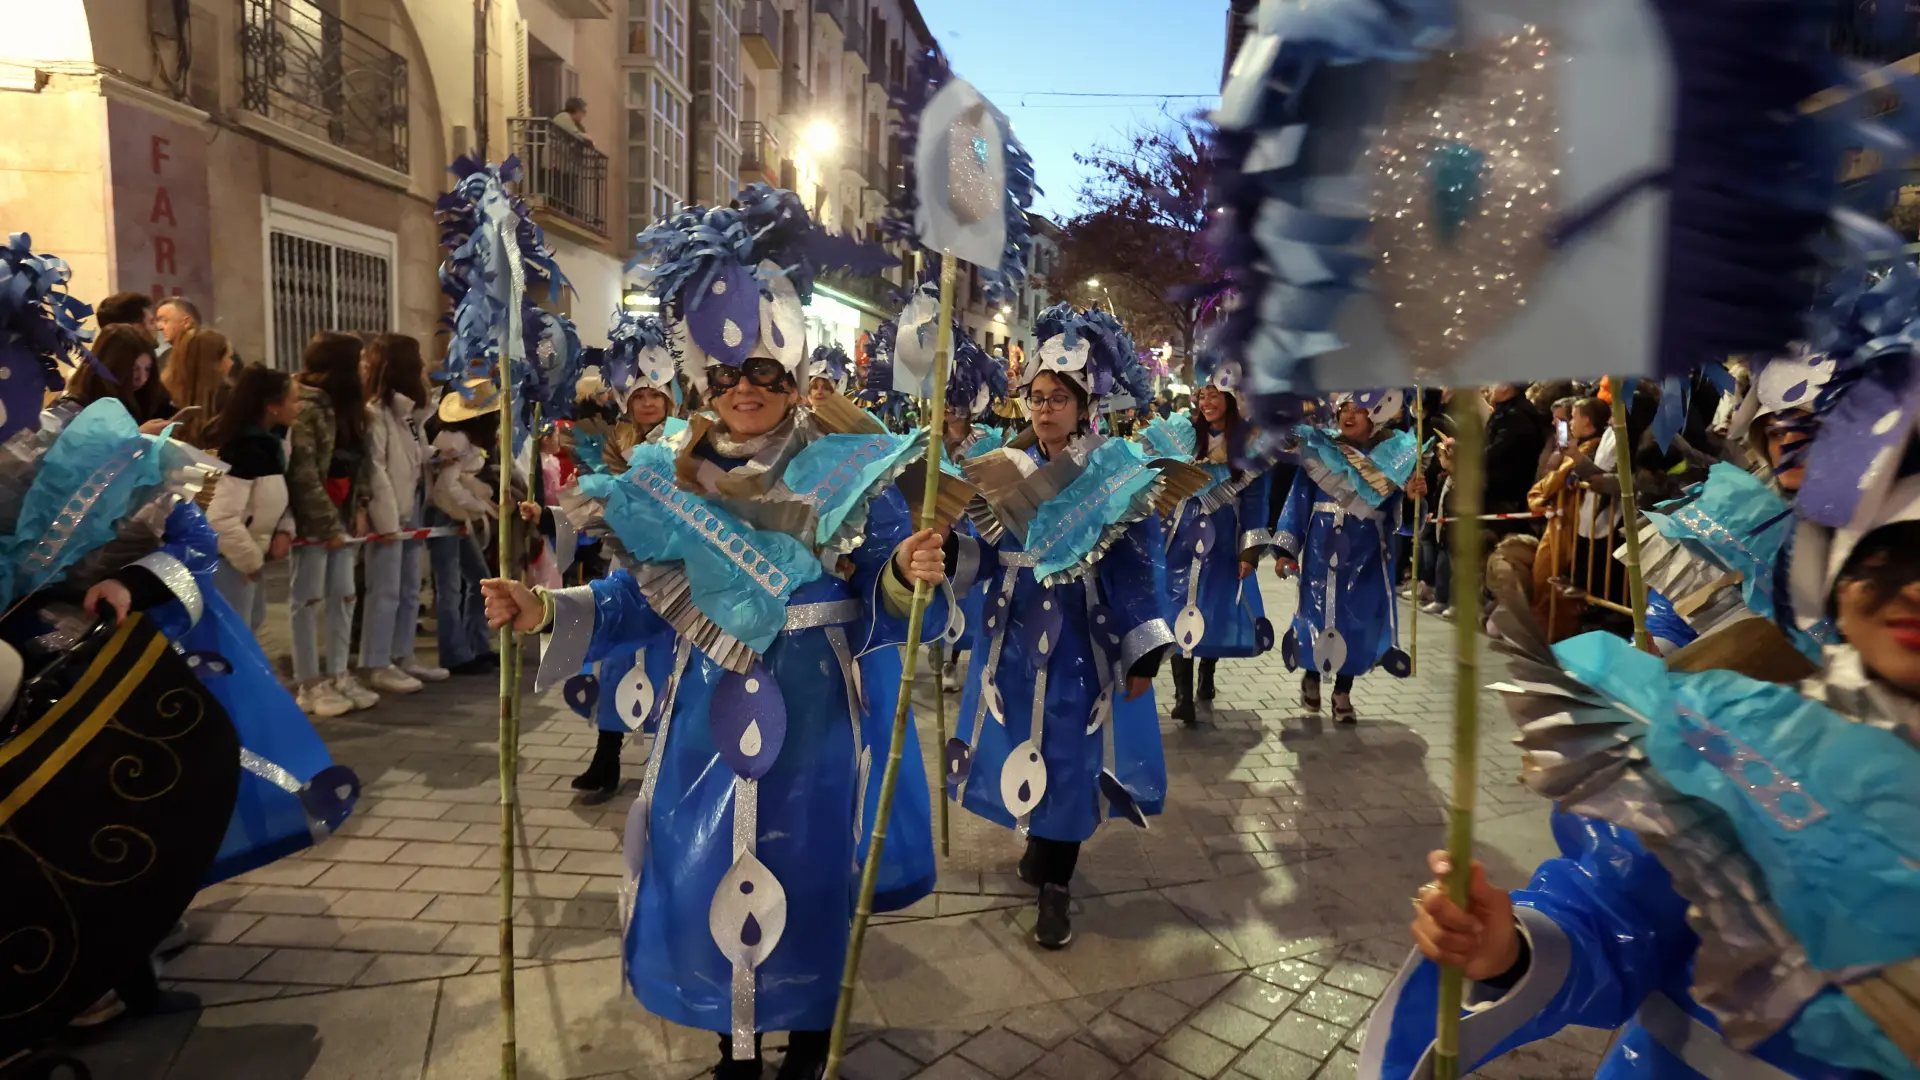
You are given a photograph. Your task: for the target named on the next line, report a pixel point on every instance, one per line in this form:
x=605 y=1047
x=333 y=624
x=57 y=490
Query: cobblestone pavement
x=1244 y=936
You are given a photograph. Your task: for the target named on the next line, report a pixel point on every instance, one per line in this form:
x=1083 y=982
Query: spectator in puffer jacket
x=249 y=510
x=397 y=453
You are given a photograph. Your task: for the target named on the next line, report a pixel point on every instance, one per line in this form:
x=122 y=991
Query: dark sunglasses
x=761 y=371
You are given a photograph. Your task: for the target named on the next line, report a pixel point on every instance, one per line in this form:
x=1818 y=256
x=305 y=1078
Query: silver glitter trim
x=570 y=634
x=734 y=546
x=1287 y=542
x=1143 y=639
x=825 y=613
x=989 y=673
x=1254 y=538
x=270 y=772
x=179 y=581
x=746 y=828
x=1732 y=757
x=1026 y=560
x=46 y=553
x=682 y=652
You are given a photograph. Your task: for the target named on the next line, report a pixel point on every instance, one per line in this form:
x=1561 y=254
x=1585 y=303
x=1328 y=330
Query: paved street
x=1244 y=936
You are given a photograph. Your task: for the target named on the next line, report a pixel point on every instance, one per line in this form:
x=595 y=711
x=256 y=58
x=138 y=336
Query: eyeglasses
x=761 y=371
x=1049 y=402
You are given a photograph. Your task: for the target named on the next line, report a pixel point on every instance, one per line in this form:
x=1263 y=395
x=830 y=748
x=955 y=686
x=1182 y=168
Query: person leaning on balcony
x=573 y=120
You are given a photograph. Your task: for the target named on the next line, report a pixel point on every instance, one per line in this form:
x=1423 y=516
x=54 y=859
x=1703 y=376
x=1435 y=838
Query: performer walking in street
x=1057 y=725
x=1208 y=597
x=1336 y=531
x=782 y=618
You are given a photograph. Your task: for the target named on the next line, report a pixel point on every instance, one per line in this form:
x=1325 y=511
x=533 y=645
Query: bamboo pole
x=1469 y=477
x=1419 y=526
x=909 y=660
x=509 y=737
x=1628 y=510
x=1560 y=540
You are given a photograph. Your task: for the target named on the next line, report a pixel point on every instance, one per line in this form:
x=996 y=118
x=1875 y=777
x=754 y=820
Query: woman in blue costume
x=97 y=518
x=974 y=382
x=1057 y=728
x=1216 y=543
x=638 y=368
x=1740 y=885
x=1740 y=522
x=1337 y=531
x=770 y=557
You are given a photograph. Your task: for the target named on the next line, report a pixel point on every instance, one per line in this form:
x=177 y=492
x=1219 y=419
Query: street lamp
x=1006 y=309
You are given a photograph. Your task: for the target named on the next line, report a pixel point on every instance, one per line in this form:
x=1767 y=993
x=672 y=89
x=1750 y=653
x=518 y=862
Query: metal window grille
x=305 y=67
x=321 y=286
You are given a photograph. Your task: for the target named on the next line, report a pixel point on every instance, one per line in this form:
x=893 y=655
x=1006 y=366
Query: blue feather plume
x=485 y=229
x=40 y=329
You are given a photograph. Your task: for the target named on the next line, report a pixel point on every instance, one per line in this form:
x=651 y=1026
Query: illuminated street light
x=1006 y=309
x=820 y=136
x=1093 y=283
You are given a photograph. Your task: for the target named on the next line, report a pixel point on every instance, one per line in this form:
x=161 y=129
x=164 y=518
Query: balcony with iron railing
x=760 y=33
x=308 y=70
x=759 y=153
x=560 y=172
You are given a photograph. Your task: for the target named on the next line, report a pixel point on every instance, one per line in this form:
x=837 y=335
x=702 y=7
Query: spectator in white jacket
x=249 y=509
x=397 y=453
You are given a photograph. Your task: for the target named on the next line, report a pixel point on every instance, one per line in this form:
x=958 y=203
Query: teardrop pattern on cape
x=1330 y=652
x=958 y=762
x=1263 y=636
x=956 y=626
x=749 y=912
x=206 y=663
x=1290 y=650
x=1190 y=628
x=1202 y=535
x=1023 y=779
x=1103 y=622
x=1102 y=710
x=633 y=697
x=1397 y=663
x=1042 y=628
x=748 y=719
x=582 y=693
x=328 y=798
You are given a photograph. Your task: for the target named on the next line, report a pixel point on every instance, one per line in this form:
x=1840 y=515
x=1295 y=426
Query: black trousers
x=1342 y=684
x=1052 y=861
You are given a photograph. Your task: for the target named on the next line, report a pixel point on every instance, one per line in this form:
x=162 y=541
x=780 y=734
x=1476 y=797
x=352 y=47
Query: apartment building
x=278 y=160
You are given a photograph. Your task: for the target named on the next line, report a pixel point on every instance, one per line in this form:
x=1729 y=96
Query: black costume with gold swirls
x=115 y=792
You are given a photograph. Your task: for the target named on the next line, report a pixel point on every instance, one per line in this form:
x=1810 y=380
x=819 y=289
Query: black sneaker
x=1310 y=692
x=1183 y=711
x=1343 y=709
x=1053 y=930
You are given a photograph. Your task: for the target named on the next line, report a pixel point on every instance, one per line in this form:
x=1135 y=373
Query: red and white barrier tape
x=428 y=533
x=1529 y=516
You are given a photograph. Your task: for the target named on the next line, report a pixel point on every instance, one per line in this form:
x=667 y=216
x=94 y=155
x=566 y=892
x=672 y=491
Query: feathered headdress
x=40 y=329
x=734 y=282
x=830 y=362
x=496 y=257
x=1212 y=370
x=1092 y=349
x=968 y=181
x=640 y=356
x=974 y=379
x=1381 y=406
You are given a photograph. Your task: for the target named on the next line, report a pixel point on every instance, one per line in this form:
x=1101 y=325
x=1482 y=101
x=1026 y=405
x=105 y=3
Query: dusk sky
x=1021 y=52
